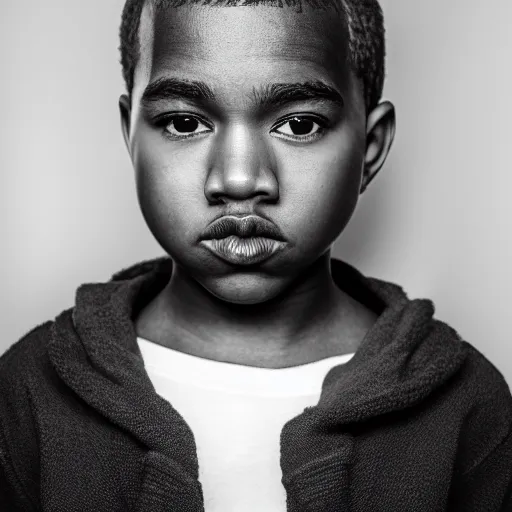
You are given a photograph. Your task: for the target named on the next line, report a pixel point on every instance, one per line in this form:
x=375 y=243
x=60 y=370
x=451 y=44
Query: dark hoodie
x=418 y=420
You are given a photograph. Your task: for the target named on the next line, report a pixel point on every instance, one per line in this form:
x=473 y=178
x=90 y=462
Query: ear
x=380 y=132
x=125 y=108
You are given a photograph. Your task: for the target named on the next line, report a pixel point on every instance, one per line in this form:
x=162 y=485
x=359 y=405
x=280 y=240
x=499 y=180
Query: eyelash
x=323 y=125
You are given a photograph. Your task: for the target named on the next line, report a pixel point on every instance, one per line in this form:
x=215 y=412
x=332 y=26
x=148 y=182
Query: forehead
x=243 y=44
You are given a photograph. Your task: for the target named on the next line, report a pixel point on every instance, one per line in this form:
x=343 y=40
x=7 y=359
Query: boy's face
x=298 y=164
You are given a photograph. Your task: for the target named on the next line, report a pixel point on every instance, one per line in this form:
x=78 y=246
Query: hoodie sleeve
x=483 y=475
x=19 y=450
x=12 y=496
x=488 y=486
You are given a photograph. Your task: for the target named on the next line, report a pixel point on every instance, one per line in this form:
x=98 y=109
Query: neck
x=311 y=320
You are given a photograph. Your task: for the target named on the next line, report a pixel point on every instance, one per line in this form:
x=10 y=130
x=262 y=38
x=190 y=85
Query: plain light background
x=436 y=220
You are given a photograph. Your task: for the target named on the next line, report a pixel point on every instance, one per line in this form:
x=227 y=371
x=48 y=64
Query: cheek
x=166 y=189
x=341 y=189
x=324 y=185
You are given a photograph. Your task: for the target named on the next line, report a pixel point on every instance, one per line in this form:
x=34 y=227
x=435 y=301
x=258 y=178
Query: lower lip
x=244 y=251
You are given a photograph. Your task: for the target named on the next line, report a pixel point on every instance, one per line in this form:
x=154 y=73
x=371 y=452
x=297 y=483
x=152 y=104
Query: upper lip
x=243 y=227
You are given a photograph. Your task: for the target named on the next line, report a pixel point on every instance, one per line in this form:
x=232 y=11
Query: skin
x=242 y=159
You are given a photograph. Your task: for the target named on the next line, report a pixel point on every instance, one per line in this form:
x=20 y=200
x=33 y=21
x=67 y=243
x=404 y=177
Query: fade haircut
x=364 y=18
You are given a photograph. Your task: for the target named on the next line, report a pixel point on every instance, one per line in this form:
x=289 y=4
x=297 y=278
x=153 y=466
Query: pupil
x=301 y=126
x=185 y=124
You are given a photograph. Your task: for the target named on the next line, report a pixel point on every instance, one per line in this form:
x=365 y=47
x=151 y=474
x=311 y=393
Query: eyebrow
x=269 y=95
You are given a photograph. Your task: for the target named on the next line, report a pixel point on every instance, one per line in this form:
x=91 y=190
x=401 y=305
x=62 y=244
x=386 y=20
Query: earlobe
x=380 y=133
x=125 y=112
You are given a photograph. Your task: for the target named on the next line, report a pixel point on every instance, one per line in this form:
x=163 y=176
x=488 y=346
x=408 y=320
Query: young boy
x=248 y=370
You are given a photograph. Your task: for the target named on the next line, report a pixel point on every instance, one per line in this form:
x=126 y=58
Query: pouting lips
x=242 y=227
x=244 y=251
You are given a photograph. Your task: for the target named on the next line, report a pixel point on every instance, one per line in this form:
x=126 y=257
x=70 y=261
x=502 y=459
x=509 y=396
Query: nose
x=240 y=167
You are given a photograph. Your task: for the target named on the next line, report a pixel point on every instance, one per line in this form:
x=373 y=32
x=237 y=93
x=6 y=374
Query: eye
x=301 y=128
x=183 y=126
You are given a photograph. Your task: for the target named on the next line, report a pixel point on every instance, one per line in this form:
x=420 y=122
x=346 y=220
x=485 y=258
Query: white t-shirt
x=236 y=414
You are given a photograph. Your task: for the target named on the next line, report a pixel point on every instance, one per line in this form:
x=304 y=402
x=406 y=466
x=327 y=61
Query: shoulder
x=26 y=353
x=478 y=384
x=25 y=369
x=26 y=374
x=483 y=379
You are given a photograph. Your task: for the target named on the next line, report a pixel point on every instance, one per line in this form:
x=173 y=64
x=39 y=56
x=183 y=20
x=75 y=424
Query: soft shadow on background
x=437 y=220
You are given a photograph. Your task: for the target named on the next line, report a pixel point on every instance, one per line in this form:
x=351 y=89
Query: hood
x=404 y=357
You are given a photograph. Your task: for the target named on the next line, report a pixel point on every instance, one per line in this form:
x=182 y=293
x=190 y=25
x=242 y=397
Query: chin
x=244 y=289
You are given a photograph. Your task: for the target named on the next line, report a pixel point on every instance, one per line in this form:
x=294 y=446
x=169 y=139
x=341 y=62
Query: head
x=266 y=109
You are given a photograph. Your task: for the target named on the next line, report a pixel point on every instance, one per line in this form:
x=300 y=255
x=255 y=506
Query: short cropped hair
x=364 y=18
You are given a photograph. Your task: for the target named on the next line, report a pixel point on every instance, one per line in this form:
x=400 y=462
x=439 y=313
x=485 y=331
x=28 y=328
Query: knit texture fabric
x=418 y=420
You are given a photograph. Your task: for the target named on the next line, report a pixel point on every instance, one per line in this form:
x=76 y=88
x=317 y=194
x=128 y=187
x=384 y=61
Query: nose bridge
x=240 y=153
x=241 y=164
